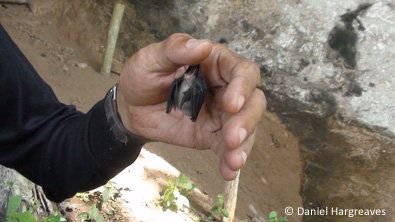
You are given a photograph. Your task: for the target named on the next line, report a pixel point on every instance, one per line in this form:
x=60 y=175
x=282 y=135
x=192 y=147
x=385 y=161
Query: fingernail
x=240 y=102
x=244 y=156
x=192 y=43
x=242 y=135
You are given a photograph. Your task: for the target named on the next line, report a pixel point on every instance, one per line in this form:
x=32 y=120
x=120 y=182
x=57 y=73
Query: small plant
x=83 y=196
x=92 y=215
x=109 y=195
x=108 y=190
x=13 y=215
x=57 y=218
x=218 y=208
x=273 y=217
x=13 y=205
x=175 y=196
x=105 y=203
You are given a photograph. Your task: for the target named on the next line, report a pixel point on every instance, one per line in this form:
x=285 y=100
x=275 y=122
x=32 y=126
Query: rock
x=301 y=46
x=64 y=70
x=40 y=7
x=77 y=103
x=375 y=60
x=319 y=61
x=30 y=192
x=82 y=65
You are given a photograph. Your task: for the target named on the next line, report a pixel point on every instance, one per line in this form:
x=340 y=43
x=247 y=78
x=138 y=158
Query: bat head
x=191 y=72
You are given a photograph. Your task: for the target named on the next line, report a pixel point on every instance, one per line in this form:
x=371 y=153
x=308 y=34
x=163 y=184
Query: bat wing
x=172 y=98
x=199 y=90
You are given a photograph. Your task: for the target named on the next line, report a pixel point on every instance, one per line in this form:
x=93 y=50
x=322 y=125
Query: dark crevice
x=343 y=37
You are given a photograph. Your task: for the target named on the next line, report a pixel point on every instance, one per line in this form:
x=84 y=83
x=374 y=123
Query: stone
x=319 y=61
x=82 y=65
x=31 y=193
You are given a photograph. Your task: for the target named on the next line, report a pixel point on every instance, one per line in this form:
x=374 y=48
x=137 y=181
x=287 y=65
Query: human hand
x=232 y=108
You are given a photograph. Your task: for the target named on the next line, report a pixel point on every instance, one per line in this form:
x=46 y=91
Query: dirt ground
x=269 y=181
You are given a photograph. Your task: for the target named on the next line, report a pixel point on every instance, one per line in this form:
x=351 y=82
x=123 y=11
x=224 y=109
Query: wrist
x=116 y=110
x=123 y=111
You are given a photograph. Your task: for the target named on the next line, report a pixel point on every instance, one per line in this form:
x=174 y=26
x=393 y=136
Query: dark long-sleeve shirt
x=50 y=143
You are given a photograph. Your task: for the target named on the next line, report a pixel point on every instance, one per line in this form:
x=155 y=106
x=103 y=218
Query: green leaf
x=25 y=217
x=215 y=209
x=83 y=196
x=110 y=183
x=282 y=219
x=187 y=186
x=11 y=219
x=55 y=218
x=30 y=210
x=28 y=217
x=224 y=213
x=182 y=179
x=99 y=218
x=184 y=192
x=170 y=182
x=106 y=195
x=179 y=178
x=114 y=204
x=13 y=215
x=171 y=199
x=13 y=203
x=83 y=215
x=167 y=195
x=220 y=199
x=10 y=184
x=273 y=215
x=93 y=211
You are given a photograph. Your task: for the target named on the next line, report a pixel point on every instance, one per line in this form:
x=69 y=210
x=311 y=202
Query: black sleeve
x=50 y=143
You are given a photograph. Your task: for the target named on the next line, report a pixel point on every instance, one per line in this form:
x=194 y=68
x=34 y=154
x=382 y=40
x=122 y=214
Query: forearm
x=52 y=144
x=72 y=152
x=83 y=154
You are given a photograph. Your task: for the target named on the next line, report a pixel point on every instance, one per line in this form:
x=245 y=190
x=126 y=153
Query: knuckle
x=175 y=37
x=257 y=73
x=250 y=70
x=262 y=97
x=254 y=70
x=259 y=102
x=169 y=42
x=260 y=94
x=220 y=46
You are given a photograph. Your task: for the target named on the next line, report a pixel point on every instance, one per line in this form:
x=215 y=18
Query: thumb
x=175 y=51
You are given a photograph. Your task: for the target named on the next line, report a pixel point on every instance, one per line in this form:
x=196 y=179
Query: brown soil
x=269 y=181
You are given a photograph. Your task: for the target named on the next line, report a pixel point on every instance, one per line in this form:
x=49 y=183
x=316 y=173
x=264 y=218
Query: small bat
x=187 y=93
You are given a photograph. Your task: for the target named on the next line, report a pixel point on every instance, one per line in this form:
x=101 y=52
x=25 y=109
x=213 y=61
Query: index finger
x=241 y=74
